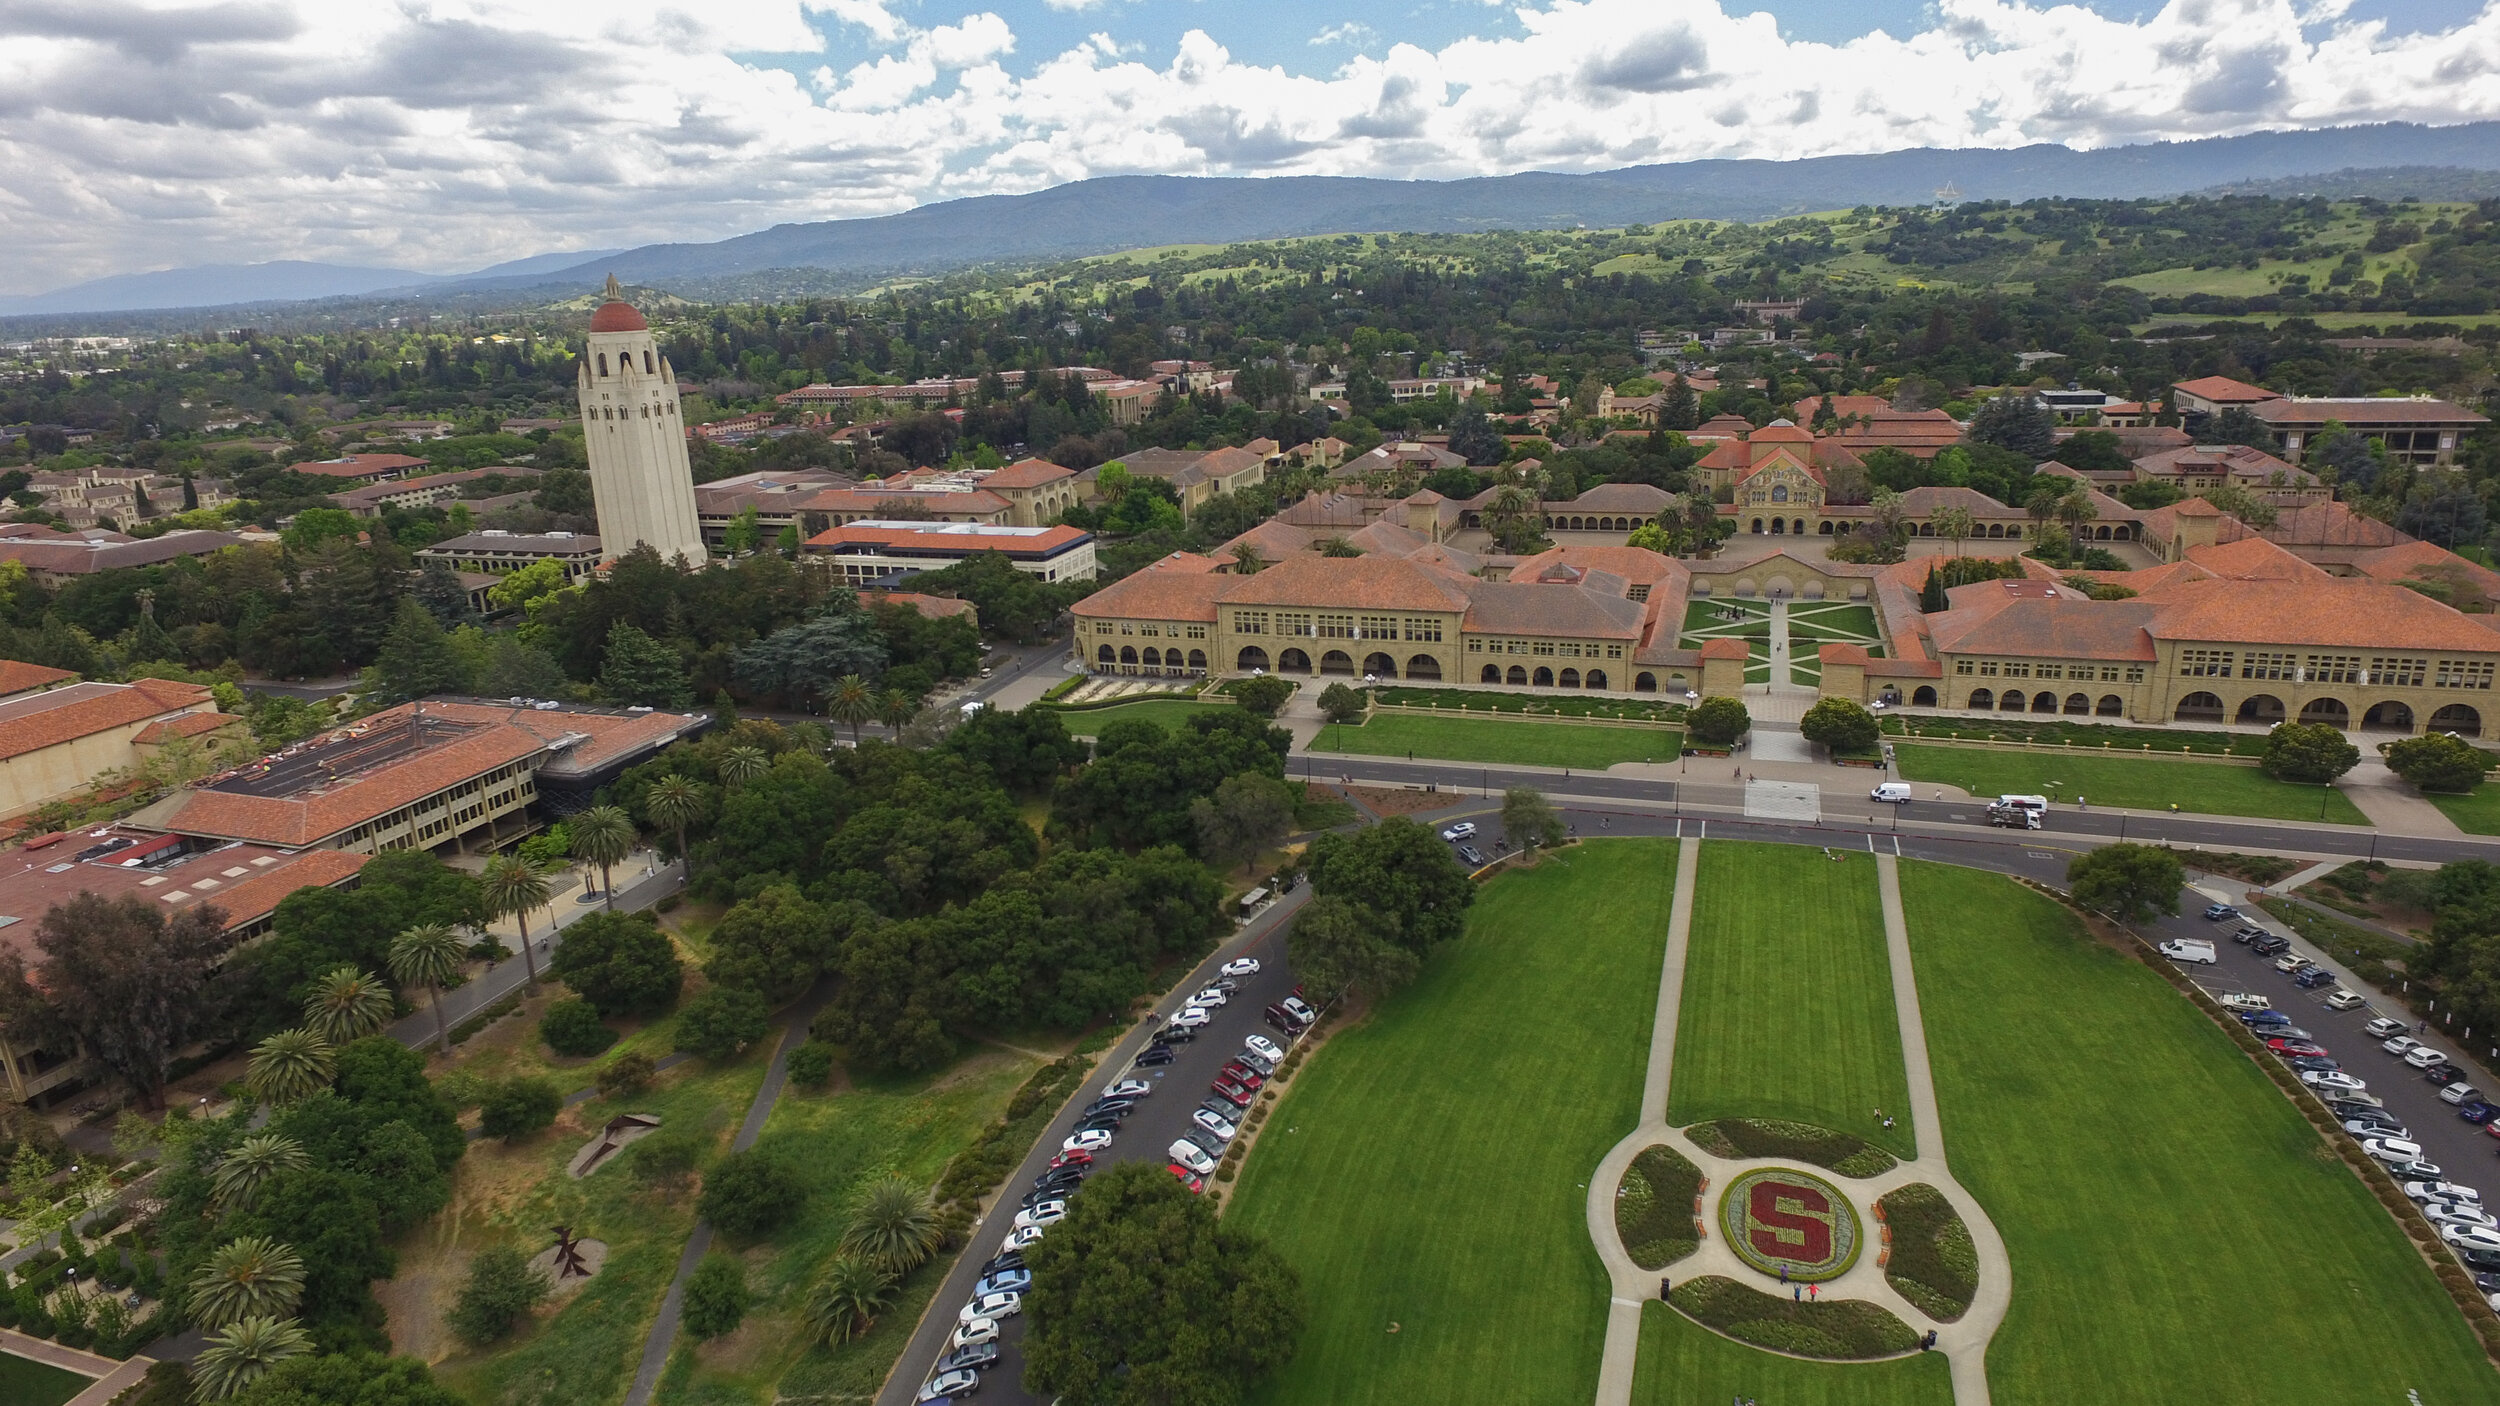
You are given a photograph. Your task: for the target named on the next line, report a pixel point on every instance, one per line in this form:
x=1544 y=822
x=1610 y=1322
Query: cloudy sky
x=447 y=134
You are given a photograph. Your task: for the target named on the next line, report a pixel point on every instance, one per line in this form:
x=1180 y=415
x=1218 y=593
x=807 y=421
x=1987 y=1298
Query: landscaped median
x=2211 y=787
x=1508 y=741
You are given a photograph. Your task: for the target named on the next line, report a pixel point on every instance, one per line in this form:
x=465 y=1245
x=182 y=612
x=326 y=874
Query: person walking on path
x=1813 y=1292
x=1797 y=1292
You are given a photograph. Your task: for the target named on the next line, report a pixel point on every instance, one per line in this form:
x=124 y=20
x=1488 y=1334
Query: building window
x=2205 y=663
x=1614 y=651
x=2270 y=666
x=2463 y=673
x=1424 y=631
x=2393 y=671
x=1380 y=627
x=1149 y=631
x=2017 y=671
x=1638 y=593
x=1475 y=646
x=1336 y=627
x=2135 y=675
x=2052 y=671
x=1962 y=667
x=2109 y=673
x=1293 y=624
x=1197 y=632
x=2333 y=668
x=1127 y=629
x=1545 y=647
x=1987 y=668
x=1250 y=622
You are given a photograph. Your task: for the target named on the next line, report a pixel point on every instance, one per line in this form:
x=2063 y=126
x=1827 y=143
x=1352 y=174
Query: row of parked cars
x=999 y=1293
x=2455 y=1208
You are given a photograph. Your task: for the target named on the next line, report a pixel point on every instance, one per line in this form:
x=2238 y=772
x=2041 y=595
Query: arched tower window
x=603 y=363
x=647 y=368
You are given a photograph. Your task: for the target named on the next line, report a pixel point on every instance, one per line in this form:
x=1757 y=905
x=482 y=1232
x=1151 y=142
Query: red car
x=2295 y=1047
x=1072 y=1158
x=1233 y=1093
x=1244 y=1075
x=2493 y=1127
x=1197 y=1184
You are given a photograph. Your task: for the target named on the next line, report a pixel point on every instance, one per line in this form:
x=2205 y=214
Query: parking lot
x=1157 y=1121
x=2464 y=1152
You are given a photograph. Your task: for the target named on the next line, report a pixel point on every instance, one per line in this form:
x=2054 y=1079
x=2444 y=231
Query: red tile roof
x=2222 y=390
x=1351 y=583
x=40 y=720
x=188 y=725
x=1726 y=647
x=2367 y=410
x=1156 y=595
x=360 y=466
x=18 y=677
x=1027 y=473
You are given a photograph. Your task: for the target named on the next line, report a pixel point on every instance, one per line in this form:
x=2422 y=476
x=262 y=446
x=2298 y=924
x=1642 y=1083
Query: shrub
x=751 y=1193
x=501 y=1288
x=515 y=1108
x=722 y=1021
x=628 y=1073
x=573 y=1028
x=2438 y=762
x=621 y=963
x=1934 y=1263
x=1844 y=1153
x=1654 y=1213
x=1718 y=721
x=2313 y=753
x=1840 y=727
x=1263 y=695
x=664 y=1160
x=1839 y=1328
x=716 y=1297
x=811 y=1064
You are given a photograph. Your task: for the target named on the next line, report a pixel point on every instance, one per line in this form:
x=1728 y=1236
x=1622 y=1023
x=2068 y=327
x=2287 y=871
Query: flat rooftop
x=319 y=763
x=245 y=881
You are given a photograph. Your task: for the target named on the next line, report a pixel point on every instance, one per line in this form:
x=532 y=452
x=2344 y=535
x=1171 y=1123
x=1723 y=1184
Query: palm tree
x=846 y=1302
x=894 y=1227
x=677 y=802
x=2075 y=510
x=238 y=1179
x=427 y=955
x=895 y=708
x=2041 y=504
x=853 y=702
x=290 y=1066
x=1246 y=560
x=1956 y=524
x=515 y=889
x=740 y=765
x=253 y=1277
x=245 y=1353
x=347 y=1004
x=603 y=835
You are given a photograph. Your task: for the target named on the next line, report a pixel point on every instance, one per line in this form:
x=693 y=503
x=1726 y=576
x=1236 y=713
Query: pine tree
x=416 y=658
x=640 y=669
x=439 y=590
x=1682 y=408
x=1931 y=598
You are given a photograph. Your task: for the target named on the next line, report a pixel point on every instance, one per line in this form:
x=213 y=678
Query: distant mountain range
x=1126 y=212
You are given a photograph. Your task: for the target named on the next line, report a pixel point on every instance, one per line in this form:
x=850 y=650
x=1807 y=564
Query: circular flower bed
x=1778 y=1219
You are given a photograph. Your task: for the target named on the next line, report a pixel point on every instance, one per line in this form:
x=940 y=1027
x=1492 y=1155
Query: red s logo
x=1783 y=1234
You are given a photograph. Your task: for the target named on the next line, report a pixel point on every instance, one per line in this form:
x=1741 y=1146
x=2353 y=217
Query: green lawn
x=1788 y=1007
x=2213 y=788
x=1171 y=713
x=24 y=1382
x=1832 y=622
x=1430 y=1169
x=2177 y=1231
x=1521 y=743
x=2476 y=813
x=1685 y=1364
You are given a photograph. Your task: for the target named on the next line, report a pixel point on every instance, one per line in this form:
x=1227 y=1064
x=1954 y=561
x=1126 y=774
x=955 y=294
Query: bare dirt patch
x=1385 y=801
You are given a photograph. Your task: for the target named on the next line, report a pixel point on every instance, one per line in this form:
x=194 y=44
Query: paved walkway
x=663 y=1338
x=1964 y=1342
x=2389 y=803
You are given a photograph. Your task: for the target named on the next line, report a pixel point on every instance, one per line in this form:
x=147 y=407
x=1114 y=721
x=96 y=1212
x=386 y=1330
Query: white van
x=2013 y=817
x=2190 y=949
x=1891 y=793
x=2037 y=805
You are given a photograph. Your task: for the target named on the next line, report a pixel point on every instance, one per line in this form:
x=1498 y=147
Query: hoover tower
x=640 y=480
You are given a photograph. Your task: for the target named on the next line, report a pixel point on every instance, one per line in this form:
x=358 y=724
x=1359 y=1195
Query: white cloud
x=1353 y=32
x=450 y=133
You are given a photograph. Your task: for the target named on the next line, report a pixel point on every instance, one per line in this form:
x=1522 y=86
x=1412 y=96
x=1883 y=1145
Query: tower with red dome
x=640 y=480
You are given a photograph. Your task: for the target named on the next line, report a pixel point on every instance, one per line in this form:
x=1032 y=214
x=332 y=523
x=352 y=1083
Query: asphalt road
x=1158 y=1121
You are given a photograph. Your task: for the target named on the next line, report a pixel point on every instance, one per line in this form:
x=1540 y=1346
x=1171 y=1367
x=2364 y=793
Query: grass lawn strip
x=2476 y=813
x=1842 y=1329
x=1593 y=746
x=1684 y=1364
x=1933 y=1264
x=26 y=1382
x=2209 y=788
x=2139 y=1165
x=1550 y=994
x=1483 y=700
x=1172 y=713
x=1852 y=624
x=1654 y=1207
x=1788 y=1008
x=2126 y=741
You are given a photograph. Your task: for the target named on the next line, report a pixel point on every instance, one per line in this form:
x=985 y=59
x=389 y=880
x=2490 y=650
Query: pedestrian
x=1664 y=1285
x=2081 y=803
x=1797 y=1292
x=1813 y=1292
x=1783 y=1274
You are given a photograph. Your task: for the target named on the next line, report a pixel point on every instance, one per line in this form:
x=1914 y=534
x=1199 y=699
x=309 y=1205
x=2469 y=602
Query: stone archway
x=1293 y=661
x=2199 y=707
x=2110 y=706
x=1492 y=674
x=1423 y=666
x=2459 y=719
x=1644 y=683
x=2390 y=716
x=1380 y=665
x=1336 y=661
x=2330 y=711
x=1923 y=696
x=2078 y=705
x=1544 y=677
x=1982 y=700
x=1518 y=677
x=2263 y=709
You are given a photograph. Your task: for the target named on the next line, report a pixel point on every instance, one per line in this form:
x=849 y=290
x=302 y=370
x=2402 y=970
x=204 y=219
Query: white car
x=2392 y=1149
x=1191 y=1017
x=2382 y=1027
x=2442 y=1191
x=2344 y=1000
x=1215 y=1123
x=2423 y=1057
x=2333 y=1079
x=2401 y=1044
x=1241 y=966
x=2460 y=1093
x=1210 y=998
x=1129 y=1088
x=2471 y=1237
x=1192 y=1156
x=1264 y=1047
x=2245 y=1001
x=1091 y=1140
x=1025 y=1237
x=2458 y=1213
x=1044 y=1213
x=1006 y=1303
x=1459 y=831
x=2187 y=950
x=973 y=1334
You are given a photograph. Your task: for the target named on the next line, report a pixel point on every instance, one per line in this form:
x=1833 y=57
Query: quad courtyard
x=1888 y=1130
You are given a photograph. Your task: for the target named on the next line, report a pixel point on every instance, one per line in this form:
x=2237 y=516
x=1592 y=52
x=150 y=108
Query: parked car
x=2335 y=1079
x=2216 y=912
x=2423 y=1057
x=1460 y=831
x=980 y=1332
x=1299 y=1009
x=1129 y=1088
x=2246 y=1003
x=1233 y=1093
x=1102 y=1122
x=2270 y=944
x=2391 y=1149
x=992 y=1306
x=2246 y=933
x=1072 y=1158
x=1283 y=1020
x=1265 y=1048
x=1025 y=1235
x=2479 y=1112
x=2460 y=1092
x=1197 y=1184
x=1087 y=1140
x=1176 y=1033
x=2402 y=1044
x=1471 y=856
x=1190 y=1155
x=1107 y=1104
x=946 y=1386
x=1153 y=1057
x=2194 y=950
x=2382 y=1027
x=2345 y=1000
x=1190 y=1018
x=2443 y=1074
x=1210 y=998
x=1241 y=966
x=2415 y=1170
x=1258 y=1063
x=979 y=1357
x=1220 y=1126
x=2311 y=978
x=1018 y=1280
x=2347 y=1104
x=2290 y=962
x=2375 y=1127
x=2309 y=1064
x=2442 y=1191
x=2471 y=1237
x=1048 y=1213
x=1204 y=1141
x=1244 y=1075
x=2294 y=1045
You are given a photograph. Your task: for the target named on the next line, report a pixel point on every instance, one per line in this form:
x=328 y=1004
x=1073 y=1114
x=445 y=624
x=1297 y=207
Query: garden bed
x=1849 y=1155
x=2092 y=735
x=1933 y=1263
x=1654 y=1207
x=1840 y=1330
x=2250 y=868
x=1559 y=705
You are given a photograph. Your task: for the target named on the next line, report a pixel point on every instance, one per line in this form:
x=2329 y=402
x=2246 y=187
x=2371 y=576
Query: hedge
x=1844 y=1329
x=1849 y=1155
x=1654 y=1207
x=1933 y=1263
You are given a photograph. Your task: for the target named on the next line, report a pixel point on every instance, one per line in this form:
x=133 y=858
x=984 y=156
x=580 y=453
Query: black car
x=1154 y=1056
x=1060 y=1177
x=980 y=1357
x=1108 y=1105
x=2312 y=1063
x=2488 y=1282
x=1006 y=1259
x=1173 y=1036
x=1204 y=1141
x=1221 y=1108
x=2480 y=1261
x=1101 y=1123
x=2270 y=944
x=2311 y=978
x=2443 y=1074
